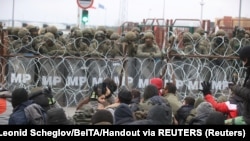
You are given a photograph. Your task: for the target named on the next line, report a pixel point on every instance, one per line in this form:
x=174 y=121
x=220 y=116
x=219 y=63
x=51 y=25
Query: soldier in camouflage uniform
x=109 y=33
x=149 y=49
x=34 y=34
x=49 y=47
x=13 y=33
x=53 y=29
x=100 y=45
x=42 y=31
x=188 y=43
x=88 y=35
x=116 y=46
x=70 y=36
x=23 y=44
x=220 y=44
x=201 y=44
x=129 y=47
x=239 y=40
x=77 y=47
x=200 y=31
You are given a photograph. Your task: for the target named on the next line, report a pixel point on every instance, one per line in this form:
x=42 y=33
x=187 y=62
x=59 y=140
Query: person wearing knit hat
x=20 y=101
x=158 y=83
x=57 y=116
x=123 y=115
x=216 y=118
x=102 y=117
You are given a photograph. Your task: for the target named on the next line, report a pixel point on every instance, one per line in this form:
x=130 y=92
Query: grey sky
x=66 y=11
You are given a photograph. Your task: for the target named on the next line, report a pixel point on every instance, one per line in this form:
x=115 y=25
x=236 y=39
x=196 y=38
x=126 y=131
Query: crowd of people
x=156 y=104
x=108 y=43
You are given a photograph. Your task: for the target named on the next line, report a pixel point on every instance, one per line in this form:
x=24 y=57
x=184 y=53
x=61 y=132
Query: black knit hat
x=19 y=96
x=125 y=96
x=102 y=116
x=57 y=116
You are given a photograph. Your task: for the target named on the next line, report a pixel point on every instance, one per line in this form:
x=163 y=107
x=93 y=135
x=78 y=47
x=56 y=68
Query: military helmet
x=114 y=36
x=9 y=30
x=99 y=33
x=220 y=32
x=52 y=29
x=130 y=36
x=136 y=29
x=241 y=29
x=42 y=31
x=77 y=33
x=200 y=30
x=49 y=35
x=148 y=35
x=15 y=31
x=23 y=32
x=32 y=27
x=74 y=28
x=196 y=36
x=102 y=28
x=187 y=35
x=87 y=31
x=110 y=32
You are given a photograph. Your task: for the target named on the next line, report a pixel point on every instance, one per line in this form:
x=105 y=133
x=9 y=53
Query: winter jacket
x=18 y=116
x=225 y=107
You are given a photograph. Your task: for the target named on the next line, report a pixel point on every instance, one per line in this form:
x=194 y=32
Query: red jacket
x=224 y=107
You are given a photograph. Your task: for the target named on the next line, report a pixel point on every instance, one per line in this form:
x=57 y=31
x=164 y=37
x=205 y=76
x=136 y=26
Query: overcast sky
x=66 y=11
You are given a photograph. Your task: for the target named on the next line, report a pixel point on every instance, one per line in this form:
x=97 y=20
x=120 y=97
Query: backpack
x=35 y=114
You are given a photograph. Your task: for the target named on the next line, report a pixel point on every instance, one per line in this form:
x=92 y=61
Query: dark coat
x=18 y=116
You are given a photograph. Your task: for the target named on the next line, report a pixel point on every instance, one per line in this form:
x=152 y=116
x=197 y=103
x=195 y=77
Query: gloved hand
x=206 y=88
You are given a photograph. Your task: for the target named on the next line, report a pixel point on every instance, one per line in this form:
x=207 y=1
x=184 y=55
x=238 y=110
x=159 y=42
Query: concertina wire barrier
x=71 y=78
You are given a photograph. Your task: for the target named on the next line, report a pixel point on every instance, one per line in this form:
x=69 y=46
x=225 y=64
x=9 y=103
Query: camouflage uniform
x=129 y=47
x=116 y=46
x=88 y=35
x=34 y=34
x=77 y=47
x=109 y=33
x=201 y=44
x=23 y=44
x=53 y=29
x=200 y=31
x=220 y=44
x=188 y=43
x=239 y=40
x=100 y=45
x=49 y=47
x=149 y=49
x=70 y=35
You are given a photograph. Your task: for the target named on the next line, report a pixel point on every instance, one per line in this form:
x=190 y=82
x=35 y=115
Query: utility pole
x=202 y=4
x=13 y=13
x=239 y=13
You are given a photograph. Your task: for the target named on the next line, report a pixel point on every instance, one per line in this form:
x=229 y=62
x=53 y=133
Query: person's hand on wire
x=206 y=87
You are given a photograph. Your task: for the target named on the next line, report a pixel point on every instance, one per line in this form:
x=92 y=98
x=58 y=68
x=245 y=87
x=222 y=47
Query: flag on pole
x=101 y=6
